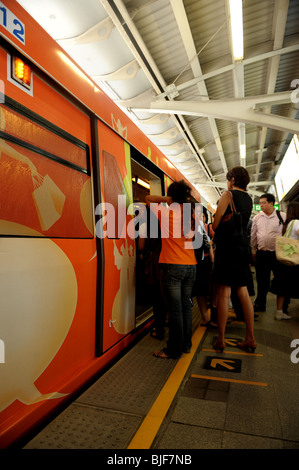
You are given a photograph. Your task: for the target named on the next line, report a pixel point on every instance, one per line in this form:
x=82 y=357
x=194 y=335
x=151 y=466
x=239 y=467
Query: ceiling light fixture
x=236 y=21
x=243 y=152
x=143 y=183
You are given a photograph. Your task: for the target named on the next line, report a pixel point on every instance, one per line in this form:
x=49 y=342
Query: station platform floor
x=204 y=400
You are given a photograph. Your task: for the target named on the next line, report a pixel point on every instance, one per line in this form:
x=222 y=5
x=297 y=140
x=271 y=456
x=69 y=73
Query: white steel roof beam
x=236 y=110
x=279 y=24
x=238 y=78
x=157 y=81
x=227 y=68
x=223 y=185
x=238 y=74
x=187 y=38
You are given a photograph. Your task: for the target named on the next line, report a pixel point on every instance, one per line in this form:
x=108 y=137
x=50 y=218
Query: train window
x=60 y=147
x=147 y=178
x=42 y=193
x=144 y=182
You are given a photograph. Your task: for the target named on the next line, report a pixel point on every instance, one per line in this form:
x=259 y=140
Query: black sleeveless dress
x=231 y=266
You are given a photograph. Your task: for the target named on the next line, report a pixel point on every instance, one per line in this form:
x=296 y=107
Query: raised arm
x=157 y=199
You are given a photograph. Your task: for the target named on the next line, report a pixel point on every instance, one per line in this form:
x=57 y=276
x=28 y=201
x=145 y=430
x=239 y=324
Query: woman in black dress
x=231 y=256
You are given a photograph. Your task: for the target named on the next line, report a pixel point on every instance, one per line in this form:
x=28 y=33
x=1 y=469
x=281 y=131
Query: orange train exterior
x=67 y=297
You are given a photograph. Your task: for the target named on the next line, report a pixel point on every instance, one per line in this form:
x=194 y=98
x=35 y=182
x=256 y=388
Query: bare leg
x=203 y=308
x=222 y=310
x=248 y=311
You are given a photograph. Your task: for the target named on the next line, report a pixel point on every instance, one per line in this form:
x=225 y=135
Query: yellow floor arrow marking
x=223 y=363
x=231 y=342
x=239 y=353
x=221 y=379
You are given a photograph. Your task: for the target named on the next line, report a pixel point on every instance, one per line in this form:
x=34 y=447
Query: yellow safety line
x=235 y=352
x=247 y=382
x=153 y=420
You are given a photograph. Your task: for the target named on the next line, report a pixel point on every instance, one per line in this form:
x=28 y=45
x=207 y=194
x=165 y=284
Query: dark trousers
x=266 y=263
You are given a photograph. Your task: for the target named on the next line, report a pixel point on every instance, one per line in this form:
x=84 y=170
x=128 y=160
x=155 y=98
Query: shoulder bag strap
x=232 y=204
x=279 y=217
x=288 y=231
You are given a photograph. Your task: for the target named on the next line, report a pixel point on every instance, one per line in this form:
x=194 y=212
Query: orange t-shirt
x=176 y=247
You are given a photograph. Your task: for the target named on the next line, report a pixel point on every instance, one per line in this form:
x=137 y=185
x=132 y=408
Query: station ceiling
x=170 y=65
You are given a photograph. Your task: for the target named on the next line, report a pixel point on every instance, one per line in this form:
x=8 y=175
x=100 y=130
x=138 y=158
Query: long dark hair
x=292 y=213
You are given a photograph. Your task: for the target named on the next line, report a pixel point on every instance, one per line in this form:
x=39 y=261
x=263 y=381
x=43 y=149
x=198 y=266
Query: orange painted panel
x=48 y=288
x=79 y=345
x=119 y=253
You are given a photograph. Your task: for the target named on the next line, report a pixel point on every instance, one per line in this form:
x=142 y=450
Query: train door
x=119 y=165
x=144 y=182
x=118 y=249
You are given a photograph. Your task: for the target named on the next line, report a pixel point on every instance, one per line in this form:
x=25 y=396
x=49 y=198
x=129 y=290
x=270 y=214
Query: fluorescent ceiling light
x=143 y=183
x=243 y=151
x=236 y=21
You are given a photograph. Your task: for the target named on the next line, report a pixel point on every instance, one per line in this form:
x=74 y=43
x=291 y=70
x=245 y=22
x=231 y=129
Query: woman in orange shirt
x=177 y=266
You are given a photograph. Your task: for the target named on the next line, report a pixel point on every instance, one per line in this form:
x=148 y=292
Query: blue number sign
x=12 y=23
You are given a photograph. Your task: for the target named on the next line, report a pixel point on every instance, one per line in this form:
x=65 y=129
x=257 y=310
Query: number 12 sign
x=12 y=23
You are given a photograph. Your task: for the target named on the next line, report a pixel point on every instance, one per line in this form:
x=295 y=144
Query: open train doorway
x=145 y=180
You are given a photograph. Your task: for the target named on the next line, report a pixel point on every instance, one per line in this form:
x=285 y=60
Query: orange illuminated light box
x=21 y=72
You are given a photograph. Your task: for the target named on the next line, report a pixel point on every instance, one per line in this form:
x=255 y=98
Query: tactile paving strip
x=133 y=383
x=109 y=413
x=83 y=427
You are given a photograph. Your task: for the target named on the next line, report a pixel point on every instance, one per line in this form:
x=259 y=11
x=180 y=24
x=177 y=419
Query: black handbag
x=204 y=248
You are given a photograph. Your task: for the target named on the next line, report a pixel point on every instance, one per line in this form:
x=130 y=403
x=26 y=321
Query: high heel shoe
x=247 y=346
x=218 y=346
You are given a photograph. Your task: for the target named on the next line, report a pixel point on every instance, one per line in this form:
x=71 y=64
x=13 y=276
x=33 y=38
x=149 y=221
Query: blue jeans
x=177 y=281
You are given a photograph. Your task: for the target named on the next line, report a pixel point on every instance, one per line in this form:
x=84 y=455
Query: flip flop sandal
x=161 y=354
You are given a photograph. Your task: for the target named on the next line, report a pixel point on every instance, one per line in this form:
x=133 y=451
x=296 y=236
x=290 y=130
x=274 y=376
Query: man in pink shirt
x=266 y=226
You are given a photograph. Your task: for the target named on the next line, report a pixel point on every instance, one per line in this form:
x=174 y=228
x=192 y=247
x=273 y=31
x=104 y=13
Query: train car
x=68 y=287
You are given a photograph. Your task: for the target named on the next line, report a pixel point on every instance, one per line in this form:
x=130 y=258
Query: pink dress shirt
x=264 y=230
